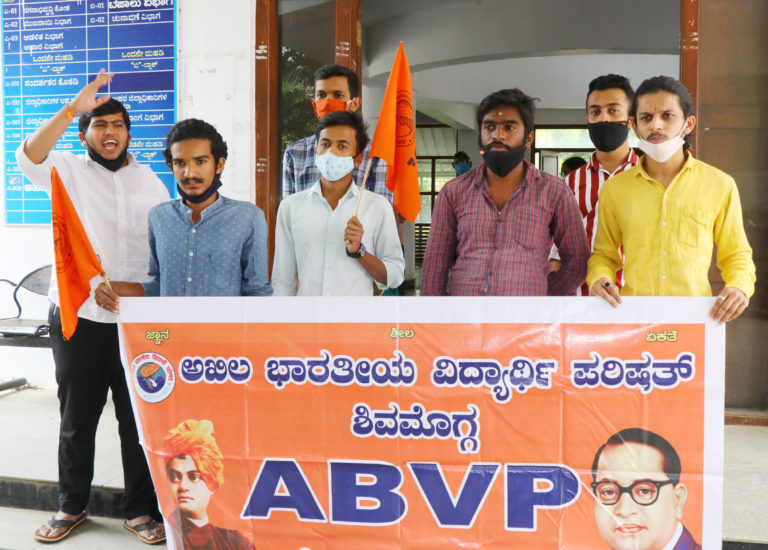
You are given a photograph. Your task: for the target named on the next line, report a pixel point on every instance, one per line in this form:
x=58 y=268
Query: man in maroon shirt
x=493 y=227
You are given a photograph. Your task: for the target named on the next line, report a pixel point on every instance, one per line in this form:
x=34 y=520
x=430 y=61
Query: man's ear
x=81 y=135
x=681 y=495
x=690 y=124
x=634 y=126
x=354 y=105
x=357 y=159
x=220 y=165
x=529 y=139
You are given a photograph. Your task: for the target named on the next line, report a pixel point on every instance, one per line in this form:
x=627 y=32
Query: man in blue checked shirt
x=203 y=244
x=337 y=88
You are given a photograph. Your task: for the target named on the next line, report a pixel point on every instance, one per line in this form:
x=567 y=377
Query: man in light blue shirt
x=321 y=240
x=202 y=244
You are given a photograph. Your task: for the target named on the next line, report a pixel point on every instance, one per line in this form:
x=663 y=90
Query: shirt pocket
x=693 y=230
x=531 y=228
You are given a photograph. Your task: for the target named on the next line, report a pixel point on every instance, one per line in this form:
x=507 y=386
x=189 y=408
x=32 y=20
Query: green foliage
x=297 y=118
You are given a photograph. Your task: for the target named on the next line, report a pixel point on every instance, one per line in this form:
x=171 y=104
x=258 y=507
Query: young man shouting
x=112 y=194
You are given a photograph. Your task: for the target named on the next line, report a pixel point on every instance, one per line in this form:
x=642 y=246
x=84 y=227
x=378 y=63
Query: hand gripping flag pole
x=395 y=141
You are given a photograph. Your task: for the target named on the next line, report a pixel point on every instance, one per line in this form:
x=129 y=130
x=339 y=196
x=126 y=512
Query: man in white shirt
x=318 y=238
x=112 y=194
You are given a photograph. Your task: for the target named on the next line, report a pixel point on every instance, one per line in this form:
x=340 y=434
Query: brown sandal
x=150 y=526
x=53 y=523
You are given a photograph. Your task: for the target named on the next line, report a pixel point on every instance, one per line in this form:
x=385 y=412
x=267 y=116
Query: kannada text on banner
x=427 y=423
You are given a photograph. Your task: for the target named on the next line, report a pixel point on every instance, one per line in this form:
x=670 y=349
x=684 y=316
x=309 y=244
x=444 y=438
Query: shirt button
x=191 y=253
x=194 y=231
x=663 y=252
x=663 y=223
x=189 y=279
x=663 y=277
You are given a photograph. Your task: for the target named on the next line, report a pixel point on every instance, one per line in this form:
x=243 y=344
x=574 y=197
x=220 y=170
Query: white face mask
x=333 y=167
x=662 y=152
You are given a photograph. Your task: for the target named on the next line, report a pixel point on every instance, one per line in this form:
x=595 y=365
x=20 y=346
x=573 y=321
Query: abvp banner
x=415 y=423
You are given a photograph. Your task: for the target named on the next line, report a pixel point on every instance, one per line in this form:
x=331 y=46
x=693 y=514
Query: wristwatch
x=359 y=254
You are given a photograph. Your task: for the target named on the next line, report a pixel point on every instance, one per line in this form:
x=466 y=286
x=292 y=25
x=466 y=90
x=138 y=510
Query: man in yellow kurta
x=668 y=211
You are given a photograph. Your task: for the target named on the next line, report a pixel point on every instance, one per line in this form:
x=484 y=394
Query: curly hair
x=193 y=128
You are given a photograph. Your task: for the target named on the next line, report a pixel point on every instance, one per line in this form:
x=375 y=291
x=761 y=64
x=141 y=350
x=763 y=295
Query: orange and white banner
x=405 y=423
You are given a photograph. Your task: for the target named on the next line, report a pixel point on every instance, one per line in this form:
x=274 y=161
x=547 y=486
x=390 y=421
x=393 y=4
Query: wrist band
x=69 y=112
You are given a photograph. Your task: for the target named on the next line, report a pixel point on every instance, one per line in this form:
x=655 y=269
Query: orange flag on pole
x=76 y=262
x=395 y=139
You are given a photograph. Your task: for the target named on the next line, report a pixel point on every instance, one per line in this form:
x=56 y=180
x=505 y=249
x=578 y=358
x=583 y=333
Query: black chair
x=36 y=282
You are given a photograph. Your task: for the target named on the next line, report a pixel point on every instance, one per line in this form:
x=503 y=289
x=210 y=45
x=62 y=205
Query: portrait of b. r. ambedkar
x=639 y=498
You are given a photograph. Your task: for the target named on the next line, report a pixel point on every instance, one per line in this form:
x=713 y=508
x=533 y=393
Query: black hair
x=570 y=164
x=110 y=107
x=673 y=86
x=345 y=118
x=329 y=71
x=672 y=466
x=193 y=128
x=460 y=156
x=511 y=97
x=609 y=82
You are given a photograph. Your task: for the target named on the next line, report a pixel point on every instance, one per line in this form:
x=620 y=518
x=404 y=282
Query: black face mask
x=608 y=136
x=112 y=165
x=502 y=163
x=215 y=184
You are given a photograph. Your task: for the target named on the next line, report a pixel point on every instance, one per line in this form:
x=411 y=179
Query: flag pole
x=106 y=281
x=362 y=187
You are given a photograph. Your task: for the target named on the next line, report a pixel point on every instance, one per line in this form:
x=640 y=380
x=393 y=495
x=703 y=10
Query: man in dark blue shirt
x=202 y=244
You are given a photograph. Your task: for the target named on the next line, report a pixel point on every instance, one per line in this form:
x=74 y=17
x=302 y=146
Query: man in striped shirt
x=492 y=228
x=609 y=101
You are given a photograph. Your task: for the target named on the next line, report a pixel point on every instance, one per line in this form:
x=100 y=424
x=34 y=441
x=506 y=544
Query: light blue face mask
x=462 y=167
x=333 y=167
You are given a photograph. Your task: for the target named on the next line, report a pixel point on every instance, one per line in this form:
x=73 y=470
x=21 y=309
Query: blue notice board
x=51 y=49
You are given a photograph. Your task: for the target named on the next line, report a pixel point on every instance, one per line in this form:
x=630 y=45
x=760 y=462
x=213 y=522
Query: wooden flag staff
x=362 y=187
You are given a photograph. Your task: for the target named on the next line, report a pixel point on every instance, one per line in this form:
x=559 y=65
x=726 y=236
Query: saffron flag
x=76 y=262
x=395 y=139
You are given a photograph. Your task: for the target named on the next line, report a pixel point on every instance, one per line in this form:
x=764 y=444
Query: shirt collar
x=129 y=157
x=352 y=191
x=631 y=160
x=207 y=211
x=675 y=538
x=477 y=175
x=687 y=165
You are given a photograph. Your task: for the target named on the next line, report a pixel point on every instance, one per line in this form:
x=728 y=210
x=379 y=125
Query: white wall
x=215 y=83
x=216 y=80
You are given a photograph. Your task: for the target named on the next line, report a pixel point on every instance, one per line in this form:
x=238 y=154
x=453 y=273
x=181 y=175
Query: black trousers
x=87 y=366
